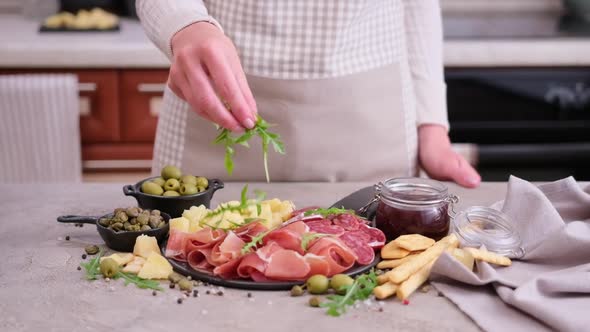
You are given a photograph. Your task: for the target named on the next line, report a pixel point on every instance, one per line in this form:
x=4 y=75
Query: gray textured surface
x=41 y=289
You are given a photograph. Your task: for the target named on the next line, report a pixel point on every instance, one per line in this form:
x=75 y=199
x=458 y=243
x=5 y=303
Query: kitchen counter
x=24 y=47
x=42 y=290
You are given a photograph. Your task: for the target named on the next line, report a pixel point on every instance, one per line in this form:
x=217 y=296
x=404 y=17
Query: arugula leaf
x=308 y=237
x=139 y=282
x=244 y=196
x=327 y=212
x=260 y=129
x=360 y=290
x=256 y=240
x=92 y=267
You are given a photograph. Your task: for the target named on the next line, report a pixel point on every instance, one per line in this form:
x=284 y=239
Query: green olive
x=171 y=193
x=151 y=188
x=189 y=179
x=171 y=172
x=109 y=267
x=202 y=182
x=296 y=290
x=318 y=284
x=339 y=281
x=201 y=189
x=174 y=277
x=159 y=181
x=185 y=284
x=171 y=184
x=314 y=301
x=91 y=250
x=188 y=189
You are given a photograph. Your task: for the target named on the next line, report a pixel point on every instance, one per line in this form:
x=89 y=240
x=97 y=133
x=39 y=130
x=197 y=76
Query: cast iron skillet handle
x=77 y=219
x=216 y=184
x=129 y=190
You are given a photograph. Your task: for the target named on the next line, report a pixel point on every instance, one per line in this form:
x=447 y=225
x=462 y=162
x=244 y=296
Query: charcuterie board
x=184 y=269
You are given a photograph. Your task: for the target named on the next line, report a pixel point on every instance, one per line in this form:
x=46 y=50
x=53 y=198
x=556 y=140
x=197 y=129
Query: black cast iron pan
x=119 y=241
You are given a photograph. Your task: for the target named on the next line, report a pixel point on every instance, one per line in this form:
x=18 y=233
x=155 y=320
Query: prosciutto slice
x=175 y=248
x=337 y=255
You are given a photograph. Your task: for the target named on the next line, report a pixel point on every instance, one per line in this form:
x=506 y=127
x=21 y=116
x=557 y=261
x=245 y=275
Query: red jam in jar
x=413 y=205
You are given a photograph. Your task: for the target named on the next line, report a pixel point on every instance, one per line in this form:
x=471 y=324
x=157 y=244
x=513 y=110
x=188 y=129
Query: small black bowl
x=119 y=241
x=172 y=205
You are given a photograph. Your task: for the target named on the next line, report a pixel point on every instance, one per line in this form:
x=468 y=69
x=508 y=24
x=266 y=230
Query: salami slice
x=356 y=241
x=376 y=236
x=346 y=221
x=327 y=229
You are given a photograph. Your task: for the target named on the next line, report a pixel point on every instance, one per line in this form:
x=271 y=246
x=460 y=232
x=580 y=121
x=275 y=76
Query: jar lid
x=417 y=191
x=479 y=225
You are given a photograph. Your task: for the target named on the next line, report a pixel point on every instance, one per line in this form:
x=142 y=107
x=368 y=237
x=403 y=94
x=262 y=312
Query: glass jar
x=482 y=226
x=413 y=205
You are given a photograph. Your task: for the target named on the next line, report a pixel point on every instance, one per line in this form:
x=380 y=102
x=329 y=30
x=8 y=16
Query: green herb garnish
x=256 y=240
x=360 y=290
x=261 y=129
x=308 y=237
x=139 y=282
x=92 y=267
x=327 y=212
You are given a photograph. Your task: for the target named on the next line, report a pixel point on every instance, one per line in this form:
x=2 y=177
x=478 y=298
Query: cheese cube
x=464 y=257
x=155 y=267
x=145 y=245
x=120 y=258
x=180 y=224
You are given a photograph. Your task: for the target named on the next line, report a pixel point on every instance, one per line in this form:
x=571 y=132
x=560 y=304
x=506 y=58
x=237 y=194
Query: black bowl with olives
x=173 y=192
x=120 y=228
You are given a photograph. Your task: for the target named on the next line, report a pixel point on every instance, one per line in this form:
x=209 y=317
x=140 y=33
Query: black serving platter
x=357 y=200
x=184 y=269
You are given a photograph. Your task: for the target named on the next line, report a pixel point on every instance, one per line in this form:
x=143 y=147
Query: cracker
x=392 y=263
x=405 y=270
x=385 y=290
x=489 y=257
x=414 y=281
x=392 y=251
x=413 y=242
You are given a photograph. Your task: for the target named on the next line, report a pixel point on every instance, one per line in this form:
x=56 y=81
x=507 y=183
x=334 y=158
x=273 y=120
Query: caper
x=171 y=185
x=171 y=172
x=315 y=301
x=151 y=188
x=135 y=228
x=161 y=224
x=189 y=179
x=185 y=284
x=91 y=250
x=126 y=224
x=159 y=181
x=104 y=222
x=109 y=267
x=318 y=284
x=117 y=210
x=339 y=281
x=155 y=212
x=188 y=189
x=145 y=228
x=133 y=221
x=121 y=215
x=296 y=290
x=170 y=193
x=143 y=218
x=117 y=226
x=153 y=223
x=153 y=220
x=175 y=277
x=132 y=212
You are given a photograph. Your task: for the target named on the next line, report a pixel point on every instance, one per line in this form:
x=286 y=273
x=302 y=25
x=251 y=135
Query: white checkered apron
x=291 y=49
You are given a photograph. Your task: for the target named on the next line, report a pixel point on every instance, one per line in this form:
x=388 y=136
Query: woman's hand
x=206 y=72
x=439 y=160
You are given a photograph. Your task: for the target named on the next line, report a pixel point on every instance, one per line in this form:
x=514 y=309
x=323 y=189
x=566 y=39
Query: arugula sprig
x=92 y=268
x=260 y=129
x=139 y=282
x=244 y=203
x=361 y=289
x=327 y=212
x=254 y=242
x=308 y=237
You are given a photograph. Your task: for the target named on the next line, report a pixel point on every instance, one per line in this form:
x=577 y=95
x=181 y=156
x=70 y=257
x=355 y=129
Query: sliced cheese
x=145 y=245
x=180 y=224
x=135 y=265
x=155 y=267
x=120 y=258
x=463 y=256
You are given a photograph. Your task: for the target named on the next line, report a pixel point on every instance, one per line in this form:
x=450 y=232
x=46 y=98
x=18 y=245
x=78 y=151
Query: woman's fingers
x=462 y=172
x=234 y=61
x=226 y=85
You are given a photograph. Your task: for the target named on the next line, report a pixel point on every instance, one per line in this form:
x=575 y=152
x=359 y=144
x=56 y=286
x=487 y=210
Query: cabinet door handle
x=86 y=87
x=151 y=87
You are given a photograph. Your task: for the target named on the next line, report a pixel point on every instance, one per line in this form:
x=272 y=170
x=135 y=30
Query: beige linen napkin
x=549 y=288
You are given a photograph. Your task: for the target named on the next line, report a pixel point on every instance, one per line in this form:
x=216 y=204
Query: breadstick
x=489 y=257
x=413 y=282
x=392 y=263
x=384 y=291
x=381 y=279
x=405 y=270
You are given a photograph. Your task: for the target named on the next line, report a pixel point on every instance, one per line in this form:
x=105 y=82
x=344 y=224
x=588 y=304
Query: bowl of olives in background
x=120 y=228
x=173 y=192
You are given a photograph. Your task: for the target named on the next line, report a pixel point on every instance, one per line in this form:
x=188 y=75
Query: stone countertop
x=42 y=290
x=25 y=47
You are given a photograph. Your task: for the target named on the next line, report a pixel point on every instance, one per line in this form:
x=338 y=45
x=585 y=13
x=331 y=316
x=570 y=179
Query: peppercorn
x=220 y=293
x=67 y=238
x=79 y=268
x=380 y=309
x=195 y=293
x=208 y=292
x=154 y=293
x=84 y=256
x=172 y=285
x=249 y=294
x=179 y=301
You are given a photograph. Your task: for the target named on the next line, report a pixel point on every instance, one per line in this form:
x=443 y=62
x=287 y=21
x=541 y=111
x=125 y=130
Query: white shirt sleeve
x=161 y=19
x=424 y=37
